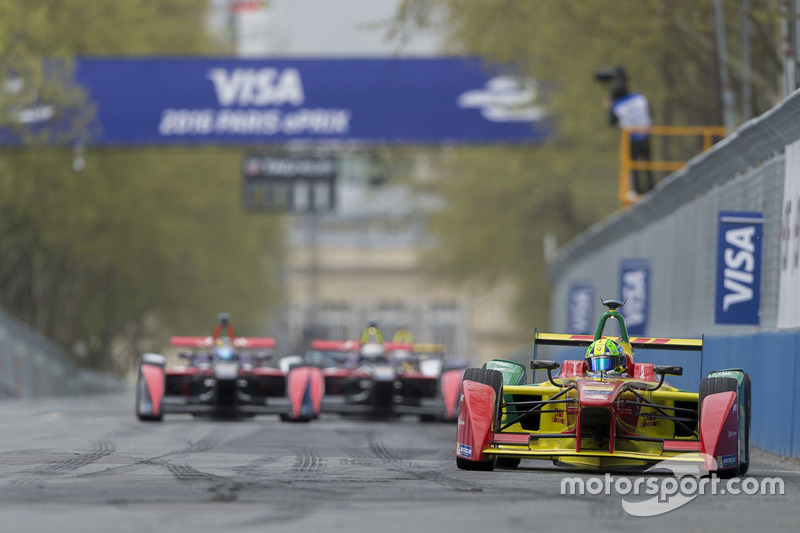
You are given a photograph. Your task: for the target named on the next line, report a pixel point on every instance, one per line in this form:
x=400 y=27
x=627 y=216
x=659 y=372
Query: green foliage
x=143 y=243
x=501 y=201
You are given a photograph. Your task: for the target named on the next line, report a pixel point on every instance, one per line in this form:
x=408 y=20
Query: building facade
x=365 y=261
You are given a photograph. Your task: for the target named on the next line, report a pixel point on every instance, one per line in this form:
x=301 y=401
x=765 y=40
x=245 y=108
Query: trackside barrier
x=32 y=366
x=771 y=360
x=671 y=236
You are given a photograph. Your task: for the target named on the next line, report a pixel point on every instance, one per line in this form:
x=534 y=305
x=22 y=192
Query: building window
x=333 y=320
x=444 y=323
x=391 y=317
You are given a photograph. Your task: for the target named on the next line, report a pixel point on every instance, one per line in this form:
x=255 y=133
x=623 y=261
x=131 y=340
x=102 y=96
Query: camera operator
x=631 y=110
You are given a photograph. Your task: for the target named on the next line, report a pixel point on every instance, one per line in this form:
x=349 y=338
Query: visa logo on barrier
x=739 y=265
x=738 y=297
x=257 y=87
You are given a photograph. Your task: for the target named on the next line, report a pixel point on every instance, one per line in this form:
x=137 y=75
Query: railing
x=627 y=166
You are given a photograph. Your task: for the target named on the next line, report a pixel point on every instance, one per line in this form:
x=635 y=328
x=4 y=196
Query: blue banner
x=580 y=310
x=634 y=289
x=160 y=101
x=739 y=239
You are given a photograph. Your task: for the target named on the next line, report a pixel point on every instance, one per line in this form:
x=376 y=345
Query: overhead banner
x=580 y=315
x=739 y=239
x=142 y=101
x=789 y=277
x=634 y=288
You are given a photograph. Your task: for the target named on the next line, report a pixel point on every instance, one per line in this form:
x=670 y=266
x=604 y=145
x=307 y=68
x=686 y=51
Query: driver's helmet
x=224 y=350
x=373 y=351
x=605 y=355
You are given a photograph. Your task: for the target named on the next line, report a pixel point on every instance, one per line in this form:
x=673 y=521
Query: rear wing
x=428 y=348
x=191 y=342
x=650 y=343
x=254 y=343
x=243 y=343
x=354 y=346
x=398 y=346
x=335 y=346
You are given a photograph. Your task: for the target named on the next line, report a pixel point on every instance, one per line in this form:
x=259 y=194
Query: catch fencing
x=669 y=255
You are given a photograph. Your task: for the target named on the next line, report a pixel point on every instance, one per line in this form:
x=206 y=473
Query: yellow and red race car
x=598 y=415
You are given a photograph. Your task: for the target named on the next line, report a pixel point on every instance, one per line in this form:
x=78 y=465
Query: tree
x=142 y=243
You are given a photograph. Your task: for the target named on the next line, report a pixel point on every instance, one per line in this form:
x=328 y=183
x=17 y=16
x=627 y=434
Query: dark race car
x=386 y=380
x=226 y=376
x=604 y=412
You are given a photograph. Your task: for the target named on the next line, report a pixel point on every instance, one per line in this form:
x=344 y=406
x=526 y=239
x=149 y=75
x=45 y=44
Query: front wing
x=485 y=432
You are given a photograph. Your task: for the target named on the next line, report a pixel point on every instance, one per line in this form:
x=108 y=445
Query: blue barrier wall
x=771 y=359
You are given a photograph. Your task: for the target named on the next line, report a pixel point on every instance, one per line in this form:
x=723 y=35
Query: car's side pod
x=305 y=386
x=150 y=387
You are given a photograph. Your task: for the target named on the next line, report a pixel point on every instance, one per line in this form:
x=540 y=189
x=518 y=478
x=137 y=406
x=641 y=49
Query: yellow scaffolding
x=628 y=165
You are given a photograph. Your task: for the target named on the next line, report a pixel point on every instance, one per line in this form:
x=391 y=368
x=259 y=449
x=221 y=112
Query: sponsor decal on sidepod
x=464 y=451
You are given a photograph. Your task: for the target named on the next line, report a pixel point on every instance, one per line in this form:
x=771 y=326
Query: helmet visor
x=225 y=353
x=603 y=363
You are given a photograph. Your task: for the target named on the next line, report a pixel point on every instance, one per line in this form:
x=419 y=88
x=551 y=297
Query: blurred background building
x=363 y=259
x=313 y=28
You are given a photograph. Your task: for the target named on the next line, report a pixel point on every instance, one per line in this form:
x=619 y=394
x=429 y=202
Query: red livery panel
x=475 y=419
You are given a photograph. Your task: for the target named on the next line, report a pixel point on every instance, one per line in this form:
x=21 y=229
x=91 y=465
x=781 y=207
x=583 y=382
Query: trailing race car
x=605 y=411
x=387 y=379
x=226 y=376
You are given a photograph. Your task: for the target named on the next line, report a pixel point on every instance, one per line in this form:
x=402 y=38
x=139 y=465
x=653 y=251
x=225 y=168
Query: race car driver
x=372 y=333
x=604 y=356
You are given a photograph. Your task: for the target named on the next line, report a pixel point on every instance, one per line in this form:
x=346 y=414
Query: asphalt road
x=86 y=465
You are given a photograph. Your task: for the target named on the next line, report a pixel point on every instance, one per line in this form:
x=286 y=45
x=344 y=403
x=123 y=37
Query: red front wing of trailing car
x=306 y=387
x=153 y=376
